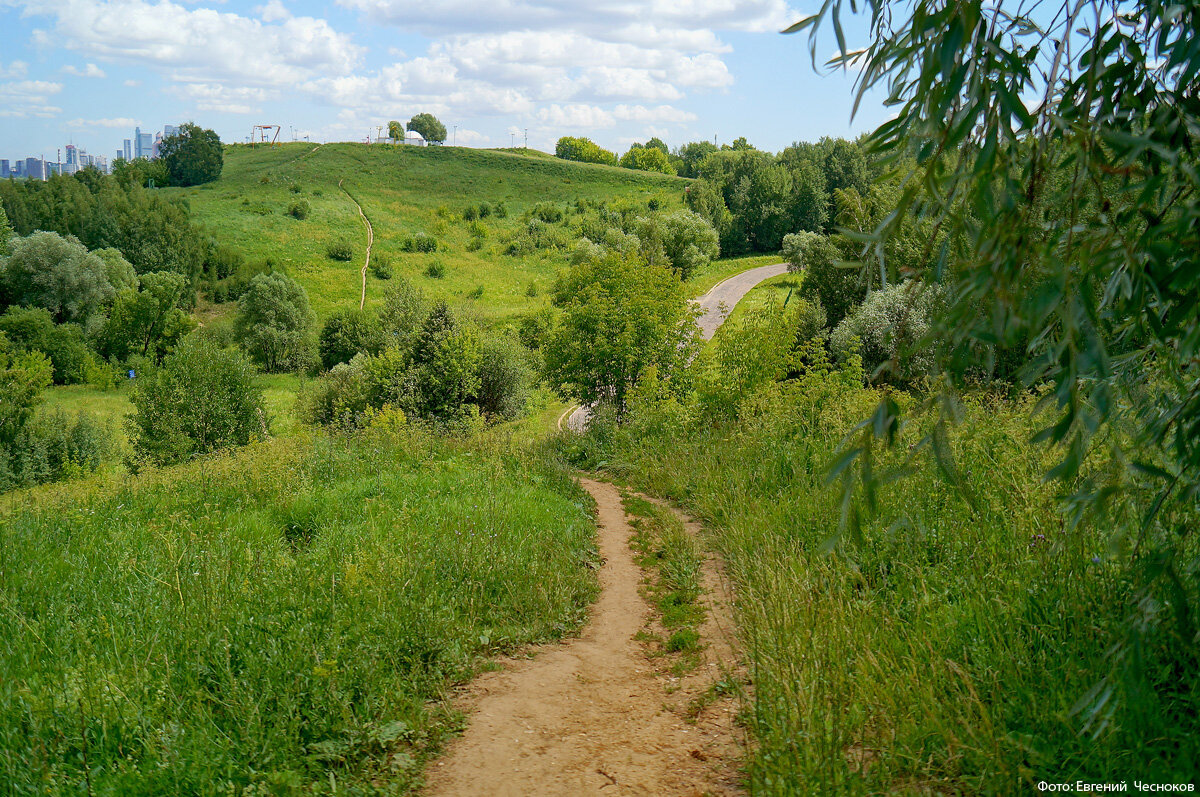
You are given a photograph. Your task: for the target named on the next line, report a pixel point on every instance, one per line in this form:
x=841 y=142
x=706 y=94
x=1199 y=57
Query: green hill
x=405 y=191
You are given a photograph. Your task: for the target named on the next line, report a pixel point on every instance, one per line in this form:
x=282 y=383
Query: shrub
x=887 y=328
x=547 y=212
x=421 y=242
x=504 y=377
x=471 y=213
x=535 y=327
x=299 y=210
x=474 y=245
x=436 y=270
x=477 y=293
x=404 y=310
x=531 y=290
x=485 y=210
x=583 y=150
x=340 y=397
x=201 y=400
x=53 y=447
x=501 y=210
x=340 y=250
x=32 y=329
x=273 y=322
x=381 y=266
x=349 y=331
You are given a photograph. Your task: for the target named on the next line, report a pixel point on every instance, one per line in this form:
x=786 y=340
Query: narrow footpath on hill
x=597 y=714
x=715 y=306
x=362 y=301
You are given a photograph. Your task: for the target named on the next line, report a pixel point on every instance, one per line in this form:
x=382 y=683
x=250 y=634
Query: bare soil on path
x=596 y=715
x=362 y=301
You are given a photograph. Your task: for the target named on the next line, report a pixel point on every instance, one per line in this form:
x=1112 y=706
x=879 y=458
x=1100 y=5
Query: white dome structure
x=414 y=138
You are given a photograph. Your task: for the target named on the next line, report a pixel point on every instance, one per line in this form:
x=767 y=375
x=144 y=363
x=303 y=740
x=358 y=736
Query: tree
x=203 y=399
x=192 y=156
x=683 y=239
x=446 y=356
x=1061 y=147
x=6 y=232
x=56 y=273
x=620 y=317
x=693 y=154
x=23 y=375
x=273 y=322
x=32 y=329
x=395 y=131
x=119 y=271
x=349 y=331
x=647 y=159
x=584 y=150
x=404 y=310
x=837 y=289
x=148 y=321
x=429 y=127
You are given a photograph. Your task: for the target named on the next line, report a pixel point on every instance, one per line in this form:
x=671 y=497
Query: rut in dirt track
x=593 y=716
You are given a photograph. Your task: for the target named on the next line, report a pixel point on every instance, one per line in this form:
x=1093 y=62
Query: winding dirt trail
x=362 y=301
x=594 y=716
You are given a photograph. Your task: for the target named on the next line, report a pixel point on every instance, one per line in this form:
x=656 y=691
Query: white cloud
x=578 y=115
x=26 y=99
x=91 y=70
x=14 y=69
x=133 y=83
x=123 y=122
x=219 y=98
x=201 y=44
x=661 y=113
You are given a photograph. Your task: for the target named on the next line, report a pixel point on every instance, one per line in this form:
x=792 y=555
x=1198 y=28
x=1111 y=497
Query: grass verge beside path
x=282 y=620
x=948 y=647
x=718 y=270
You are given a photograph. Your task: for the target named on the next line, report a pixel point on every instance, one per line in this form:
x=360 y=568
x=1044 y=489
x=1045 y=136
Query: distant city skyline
x=69 y=158
x=618 y=73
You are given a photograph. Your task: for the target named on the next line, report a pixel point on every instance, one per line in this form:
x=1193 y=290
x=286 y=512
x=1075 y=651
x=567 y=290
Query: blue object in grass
x=132 y=375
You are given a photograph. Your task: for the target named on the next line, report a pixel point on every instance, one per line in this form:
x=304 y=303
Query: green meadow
x=405 y=190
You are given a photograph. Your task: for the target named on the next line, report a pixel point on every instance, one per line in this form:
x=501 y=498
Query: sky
x=616 y=71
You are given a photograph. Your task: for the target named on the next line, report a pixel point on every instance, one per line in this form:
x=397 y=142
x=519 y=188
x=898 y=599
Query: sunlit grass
x=275 y=620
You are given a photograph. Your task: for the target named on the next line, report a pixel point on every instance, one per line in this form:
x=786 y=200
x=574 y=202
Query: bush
x=504 y=377
x=340 y=250
x=348 y=332
x=53 y=447
x=886 y=329
x=421 y=242
x=404 y=310
x=201 y=400
x=583 y=150
x=501 y=210
x=535 y=327
x=32 y=329
x=485 y=210
x=340 y=397
x=547 y=212
x=471 y=213
x=436 y=270
x=299 y=210
x=381 y=266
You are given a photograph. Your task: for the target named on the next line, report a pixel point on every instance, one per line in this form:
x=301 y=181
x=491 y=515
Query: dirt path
x=593 y=716
x=370 y=242
x=716 y=305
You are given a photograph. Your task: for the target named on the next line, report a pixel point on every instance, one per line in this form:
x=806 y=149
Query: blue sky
x=617 y=71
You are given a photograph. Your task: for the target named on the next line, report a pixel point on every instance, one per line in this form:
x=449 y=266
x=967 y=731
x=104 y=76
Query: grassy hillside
x=404 y=191
x=281 y=620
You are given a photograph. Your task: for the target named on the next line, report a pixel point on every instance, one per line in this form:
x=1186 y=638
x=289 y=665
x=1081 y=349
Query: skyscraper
x=35 y=169
x=3 y=168
x=128 y=151
x=143 y=144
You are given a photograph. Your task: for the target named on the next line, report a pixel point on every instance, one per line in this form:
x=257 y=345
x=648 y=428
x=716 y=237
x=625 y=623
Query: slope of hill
x=405 y=191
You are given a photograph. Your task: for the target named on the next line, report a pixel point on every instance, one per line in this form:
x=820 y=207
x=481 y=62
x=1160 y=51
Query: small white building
x=414 y=138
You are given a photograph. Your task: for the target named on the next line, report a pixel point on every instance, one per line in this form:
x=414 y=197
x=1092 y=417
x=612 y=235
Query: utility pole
x=527 y=138
x=454 y=137
x=512 y=140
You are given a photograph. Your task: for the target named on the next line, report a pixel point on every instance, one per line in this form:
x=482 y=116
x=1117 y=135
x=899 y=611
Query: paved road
x=716 y=305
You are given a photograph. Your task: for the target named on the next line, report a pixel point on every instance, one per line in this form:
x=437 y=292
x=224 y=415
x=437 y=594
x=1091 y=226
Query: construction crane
x=258 y=134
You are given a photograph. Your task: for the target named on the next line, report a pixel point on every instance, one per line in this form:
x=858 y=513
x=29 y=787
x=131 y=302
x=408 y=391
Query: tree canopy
x=620 y=317
x=429 y=127
x=193 y=155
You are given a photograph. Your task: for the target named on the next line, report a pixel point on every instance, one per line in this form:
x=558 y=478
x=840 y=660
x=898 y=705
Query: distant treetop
x=428 y=125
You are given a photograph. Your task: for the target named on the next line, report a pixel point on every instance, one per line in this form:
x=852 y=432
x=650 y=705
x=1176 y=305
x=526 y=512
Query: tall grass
x=286 y=619
x=945 y=650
